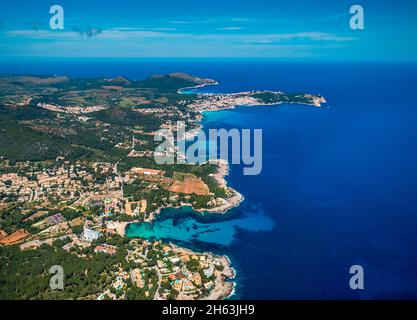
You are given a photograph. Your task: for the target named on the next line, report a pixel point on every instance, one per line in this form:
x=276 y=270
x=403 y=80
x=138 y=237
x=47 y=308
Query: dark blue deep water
x=338 y=186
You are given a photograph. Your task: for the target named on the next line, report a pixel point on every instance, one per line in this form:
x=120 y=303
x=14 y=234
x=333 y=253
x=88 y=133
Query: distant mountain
x=173 y=81
x=39 y=81
x=121 y=80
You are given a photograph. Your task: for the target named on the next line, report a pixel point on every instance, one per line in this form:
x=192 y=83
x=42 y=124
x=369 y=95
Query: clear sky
x=294 y=29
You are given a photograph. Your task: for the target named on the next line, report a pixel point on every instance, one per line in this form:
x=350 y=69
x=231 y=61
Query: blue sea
x=338 y=186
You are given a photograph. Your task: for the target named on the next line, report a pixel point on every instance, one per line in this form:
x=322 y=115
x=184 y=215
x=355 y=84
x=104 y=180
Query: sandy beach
x=118 y=226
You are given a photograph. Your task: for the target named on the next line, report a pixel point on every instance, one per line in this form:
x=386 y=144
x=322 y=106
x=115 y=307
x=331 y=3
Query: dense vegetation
x=25 y=274
x=20 y=143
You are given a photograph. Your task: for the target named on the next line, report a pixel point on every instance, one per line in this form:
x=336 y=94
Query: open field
x=188 y=183
x=14 y=237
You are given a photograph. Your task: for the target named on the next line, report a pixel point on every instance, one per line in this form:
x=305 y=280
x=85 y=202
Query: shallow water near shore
x=183 y=224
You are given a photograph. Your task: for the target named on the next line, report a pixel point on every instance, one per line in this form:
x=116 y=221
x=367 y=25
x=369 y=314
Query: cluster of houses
x=63 y=182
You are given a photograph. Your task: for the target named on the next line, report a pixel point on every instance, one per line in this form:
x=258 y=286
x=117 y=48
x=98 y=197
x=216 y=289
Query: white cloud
x=115 y=34
x=135 y=42
x=312 y=36
x=161 y=33
x=206 y=21
x=241 y=19
x=231 y=28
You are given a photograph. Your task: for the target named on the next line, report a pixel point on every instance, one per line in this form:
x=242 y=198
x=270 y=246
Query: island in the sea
x=77 y=166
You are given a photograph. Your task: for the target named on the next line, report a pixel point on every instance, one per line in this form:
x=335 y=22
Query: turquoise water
x=207 y=229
